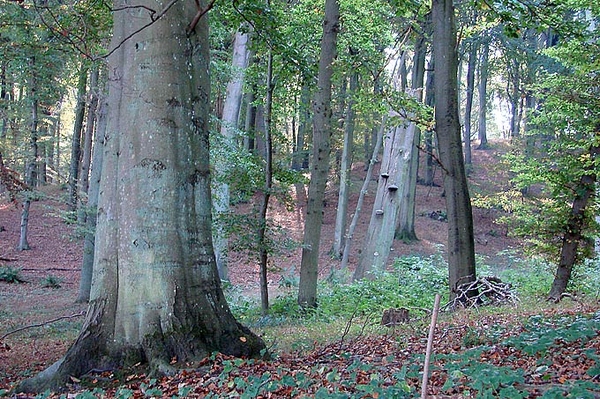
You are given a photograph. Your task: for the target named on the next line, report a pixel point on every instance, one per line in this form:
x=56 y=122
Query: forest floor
x=38 y=323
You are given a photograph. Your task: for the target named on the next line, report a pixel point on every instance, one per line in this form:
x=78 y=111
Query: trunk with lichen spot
x=156 y=294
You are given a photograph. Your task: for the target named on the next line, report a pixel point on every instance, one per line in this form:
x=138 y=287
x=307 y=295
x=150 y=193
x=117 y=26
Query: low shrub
x=11 y=274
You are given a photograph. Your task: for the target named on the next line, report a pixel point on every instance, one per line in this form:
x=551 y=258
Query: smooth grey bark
x=467 y=120
x=76 y=141
x=87 y=263
x=341 y=219
x=229 y=124
x=156 y=295
x=405 y=226
x=461 y=246
x=361 y=196
x=30 y=171
x=482 y=91
x=395 y=165
x=309 y=266
x=86 y=151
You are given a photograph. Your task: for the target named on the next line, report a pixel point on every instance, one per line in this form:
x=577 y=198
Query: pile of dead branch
x=481 y=292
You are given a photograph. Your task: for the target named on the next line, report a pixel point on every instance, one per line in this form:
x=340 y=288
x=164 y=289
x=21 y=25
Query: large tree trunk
x=405 y=229
x=461 y=246
x=361 y=196
x=156 y=295
x=395 y=165
x=573 y=236
x=309 y=266
x=229 y=124
x=341 y=218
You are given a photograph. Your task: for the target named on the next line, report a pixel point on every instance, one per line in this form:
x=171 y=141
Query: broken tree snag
x=394 y=316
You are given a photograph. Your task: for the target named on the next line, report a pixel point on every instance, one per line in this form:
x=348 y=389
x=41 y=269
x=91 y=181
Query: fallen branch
x=42 y=324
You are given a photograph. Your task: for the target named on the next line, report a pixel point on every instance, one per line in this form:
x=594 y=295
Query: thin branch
x=199 y=15
x=42 y=324
x=153 y=18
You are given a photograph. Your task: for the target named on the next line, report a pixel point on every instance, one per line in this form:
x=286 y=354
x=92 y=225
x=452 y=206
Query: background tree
x=309 y=267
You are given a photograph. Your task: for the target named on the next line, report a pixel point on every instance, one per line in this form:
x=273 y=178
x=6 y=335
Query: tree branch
x=42 y=324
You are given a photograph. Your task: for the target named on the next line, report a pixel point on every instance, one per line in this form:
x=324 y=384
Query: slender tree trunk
x=483 y=79
x=461 y=246
x=229 y=124
x=5 y=97
x=86 y=153
x=156 y=295
x=428 y=180
x=87 y=264
x=76 y=142
x=30 y=172
x=471 y=66
x=300 y=155
x=262 y=233
x=361 y=196
x=573 y=236
x=309 y=266
x=341 y=219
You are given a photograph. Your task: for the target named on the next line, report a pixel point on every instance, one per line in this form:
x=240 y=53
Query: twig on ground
x=42 y=324
x=436 y=308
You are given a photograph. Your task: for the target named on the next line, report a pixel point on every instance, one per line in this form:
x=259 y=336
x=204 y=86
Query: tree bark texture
x=30 y=170
x=395 y=166
x=309 y=266
x=405 y=229
x=229 y=124
x=471 y=65
x=87 y=263
x=461 y=246
x=482 y=90
x=361 y=196
x=341 y=219
x=578 y=221
x=76 y=141
x=156 y=295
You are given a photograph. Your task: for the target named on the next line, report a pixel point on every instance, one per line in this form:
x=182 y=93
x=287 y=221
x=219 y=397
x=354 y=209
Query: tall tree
x=484 y=54
x=156 y=294
x=461 y=246
x=345 y=168
x=229 y=123
x=309 y=266
x=471 y=66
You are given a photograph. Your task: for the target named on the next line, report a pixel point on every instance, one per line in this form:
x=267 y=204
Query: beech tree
x=309 y=267
x=156 y=294
x=461 y=246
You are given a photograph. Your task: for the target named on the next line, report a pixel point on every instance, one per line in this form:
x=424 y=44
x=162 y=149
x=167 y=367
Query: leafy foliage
x=11 y=274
